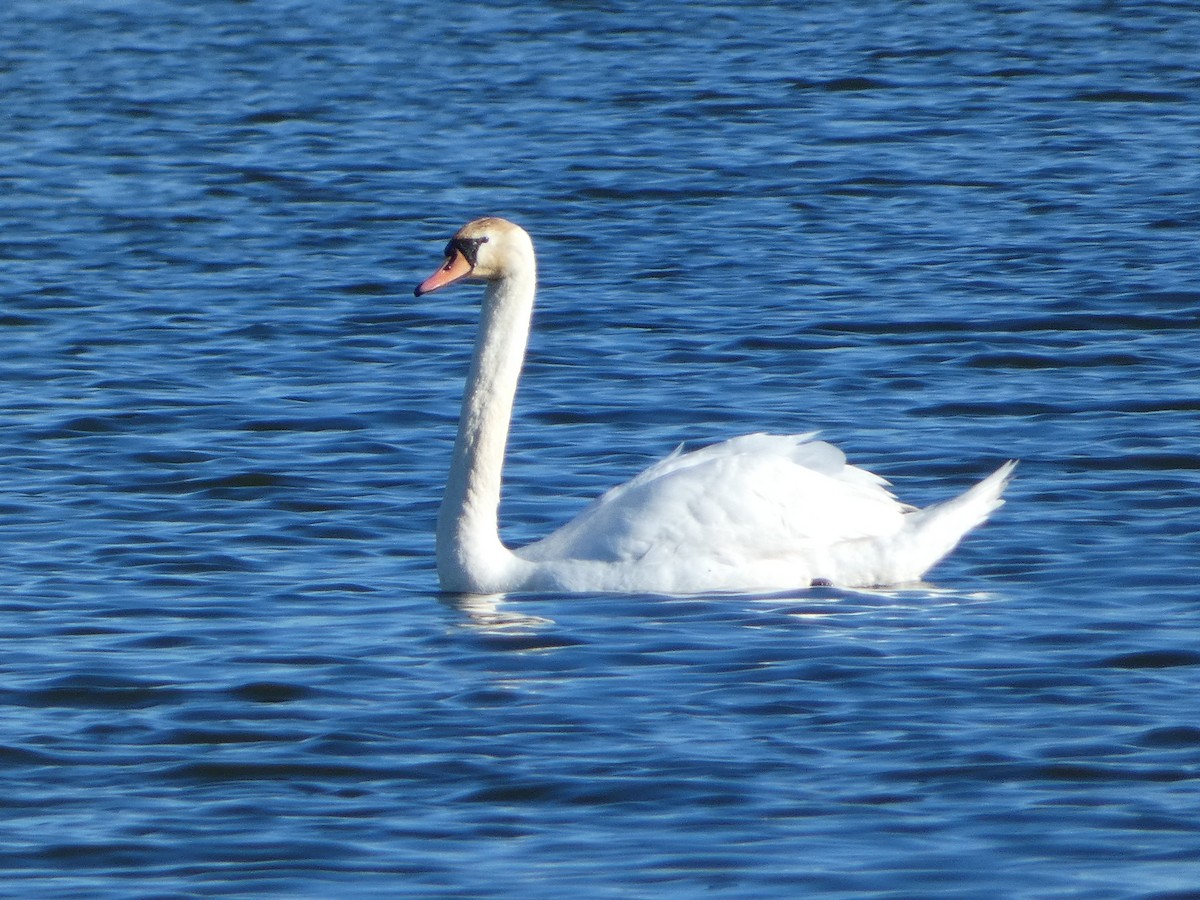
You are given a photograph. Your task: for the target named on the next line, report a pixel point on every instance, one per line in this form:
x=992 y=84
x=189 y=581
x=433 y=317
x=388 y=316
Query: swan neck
x=470 y=555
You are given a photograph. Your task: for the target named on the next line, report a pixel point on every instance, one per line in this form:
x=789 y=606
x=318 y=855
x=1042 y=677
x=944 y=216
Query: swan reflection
x=489 y=613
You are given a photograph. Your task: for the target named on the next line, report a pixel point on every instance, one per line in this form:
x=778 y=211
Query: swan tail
x=936 y=530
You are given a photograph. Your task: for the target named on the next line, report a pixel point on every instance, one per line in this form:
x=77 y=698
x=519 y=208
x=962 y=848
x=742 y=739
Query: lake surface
x=942 y=234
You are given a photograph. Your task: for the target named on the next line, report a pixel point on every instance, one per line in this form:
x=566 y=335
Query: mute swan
x=755 y=513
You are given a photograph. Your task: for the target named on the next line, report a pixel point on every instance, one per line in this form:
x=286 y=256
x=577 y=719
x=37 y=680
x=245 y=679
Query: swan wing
x=753 y=497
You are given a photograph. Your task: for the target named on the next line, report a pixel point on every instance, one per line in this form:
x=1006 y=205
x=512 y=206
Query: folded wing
x=756 y=497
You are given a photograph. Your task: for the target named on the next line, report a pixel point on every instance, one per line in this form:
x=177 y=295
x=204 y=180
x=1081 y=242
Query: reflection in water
x=497 y=614
x=487 y=612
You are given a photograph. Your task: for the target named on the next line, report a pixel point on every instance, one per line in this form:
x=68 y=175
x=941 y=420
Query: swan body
x=756 y=513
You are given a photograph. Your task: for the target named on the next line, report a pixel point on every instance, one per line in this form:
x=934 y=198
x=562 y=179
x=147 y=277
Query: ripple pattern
x=943 y=234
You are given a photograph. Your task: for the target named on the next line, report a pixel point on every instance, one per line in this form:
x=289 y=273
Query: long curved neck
x=470 y=556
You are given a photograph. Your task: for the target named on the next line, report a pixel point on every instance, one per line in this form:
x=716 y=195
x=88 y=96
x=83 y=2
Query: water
x=942 y=234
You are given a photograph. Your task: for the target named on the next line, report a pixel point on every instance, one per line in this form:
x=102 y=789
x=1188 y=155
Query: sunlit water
x=942 y=234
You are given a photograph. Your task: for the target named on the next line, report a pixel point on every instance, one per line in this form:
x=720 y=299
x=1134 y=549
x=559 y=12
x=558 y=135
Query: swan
x=756 y=513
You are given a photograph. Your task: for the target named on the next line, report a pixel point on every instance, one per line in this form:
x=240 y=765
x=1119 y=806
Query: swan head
x=486 y=249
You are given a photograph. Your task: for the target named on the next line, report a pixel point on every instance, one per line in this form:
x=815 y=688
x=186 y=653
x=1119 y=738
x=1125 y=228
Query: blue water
x=943 y=234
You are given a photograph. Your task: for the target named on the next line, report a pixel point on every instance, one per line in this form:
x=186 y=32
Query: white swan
x=755 y=513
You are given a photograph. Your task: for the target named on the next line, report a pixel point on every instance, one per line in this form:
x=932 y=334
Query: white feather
x=758 y=512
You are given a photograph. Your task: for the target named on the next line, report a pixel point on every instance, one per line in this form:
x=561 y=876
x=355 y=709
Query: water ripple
x=943 y=234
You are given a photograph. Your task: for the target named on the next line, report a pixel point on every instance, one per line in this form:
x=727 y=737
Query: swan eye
x=468 y=247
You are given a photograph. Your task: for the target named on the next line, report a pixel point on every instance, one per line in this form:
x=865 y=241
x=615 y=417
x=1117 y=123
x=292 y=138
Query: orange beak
x=456 y=268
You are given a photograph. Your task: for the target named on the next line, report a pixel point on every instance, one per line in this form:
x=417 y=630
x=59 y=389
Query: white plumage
x=755 y=513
